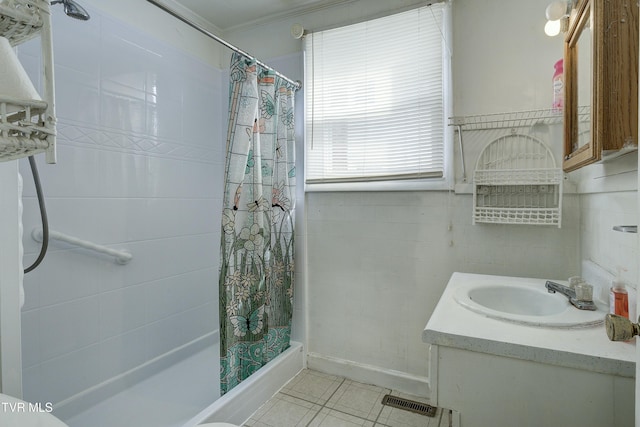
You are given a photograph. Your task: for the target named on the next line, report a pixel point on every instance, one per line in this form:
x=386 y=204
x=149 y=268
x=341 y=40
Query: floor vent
x=409 y=405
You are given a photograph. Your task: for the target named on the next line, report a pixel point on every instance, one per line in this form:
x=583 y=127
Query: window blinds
x=375 y=99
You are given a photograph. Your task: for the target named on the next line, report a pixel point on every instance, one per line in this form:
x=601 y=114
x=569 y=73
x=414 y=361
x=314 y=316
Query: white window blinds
x=375 y=99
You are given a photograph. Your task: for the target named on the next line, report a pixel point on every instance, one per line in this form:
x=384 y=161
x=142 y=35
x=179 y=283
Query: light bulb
x=556 y=10
x=552 y=28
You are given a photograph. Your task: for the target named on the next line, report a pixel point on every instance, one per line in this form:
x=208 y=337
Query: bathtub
x=517 y=371
x=179 y=389
x=243 y=400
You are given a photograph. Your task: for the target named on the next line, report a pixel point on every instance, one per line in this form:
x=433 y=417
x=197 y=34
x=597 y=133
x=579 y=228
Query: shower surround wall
x=140 y=164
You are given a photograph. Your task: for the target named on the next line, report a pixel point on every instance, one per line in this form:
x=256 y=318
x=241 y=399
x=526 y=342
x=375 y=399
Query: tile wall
x=603 y=246
x=140 y=165
x=380 y=261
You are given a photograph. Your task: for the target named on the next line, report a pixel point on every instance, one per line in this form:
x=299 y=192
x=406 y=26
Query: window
x=377 y=99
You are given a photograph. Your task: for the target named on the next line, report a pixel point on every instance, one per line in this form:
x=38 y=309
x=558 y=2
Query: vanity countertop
x=586 y=348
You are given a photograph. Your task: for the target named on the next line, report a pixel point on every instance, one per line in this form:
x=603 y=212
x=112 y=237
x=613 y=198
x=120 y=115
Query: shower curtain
x=257 y=269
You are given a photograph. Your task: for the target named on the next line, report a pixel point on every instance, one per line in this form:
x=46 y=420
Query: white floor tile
x=331 y=418
x=330 y=401
x=284 y=411
x=358 y=399
x=313 y=386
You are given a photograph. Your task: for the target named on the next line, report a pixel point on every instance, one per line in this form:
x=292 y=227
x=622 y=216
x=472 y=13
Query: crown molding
x=291 y=13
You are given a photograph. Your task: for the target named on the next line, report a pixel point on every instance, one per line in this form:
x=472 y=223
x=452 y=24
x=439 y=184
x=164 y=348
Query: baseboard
x=370 y=374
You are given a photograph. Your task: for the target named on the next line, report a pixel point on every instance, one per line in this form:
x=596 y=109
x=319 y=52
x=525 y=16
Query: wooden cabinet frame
x=614 y=92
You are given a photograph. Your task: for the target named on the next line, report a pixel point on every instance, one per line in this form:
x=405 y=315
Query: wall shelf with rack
x=516 y=119
x=516 y=181
x=27 y=126
x=517 y=122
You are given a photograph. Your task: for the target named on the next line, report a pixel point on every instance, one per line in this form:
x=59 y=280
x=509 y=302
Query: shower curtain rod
x=192 y=24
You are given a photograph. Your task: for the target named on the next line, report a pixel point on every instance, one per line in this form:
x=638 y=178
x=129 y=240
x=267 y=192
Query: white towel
x=14 y=81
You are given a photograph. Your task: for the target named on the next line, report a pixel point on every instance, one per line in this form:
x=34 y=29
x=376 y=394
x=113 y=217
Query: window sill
x=415 y=185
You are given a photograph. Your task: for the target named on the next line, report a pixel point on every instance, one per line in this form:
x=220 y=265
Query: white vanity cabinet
x=490 y=390
x=492 y=372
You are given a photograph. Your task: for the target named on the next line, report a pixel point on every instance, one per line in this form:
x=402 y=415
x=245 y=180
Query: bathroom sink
x=526 y=304
x=522 y=300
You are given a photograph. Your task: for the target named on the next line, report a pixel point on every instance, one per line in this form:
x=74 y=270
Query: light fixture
x=557 y=14
x=552 y=28
x=297 y=31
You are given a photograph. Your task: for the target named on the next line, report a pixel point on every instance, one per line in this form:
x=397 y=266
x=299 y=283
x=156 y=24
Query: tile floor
x=314 y=399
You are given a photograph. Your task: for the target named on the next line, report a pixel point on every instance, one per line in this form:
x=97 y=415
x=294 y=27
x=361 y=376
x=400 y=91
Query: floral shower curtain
x=257 y=270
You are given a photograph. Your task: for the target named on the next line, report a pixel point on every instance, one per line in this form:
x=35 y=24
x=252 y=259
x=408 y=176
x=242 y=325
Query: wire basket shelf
x=516 y=182
x=522 y=216
x=27 y=127
x=516 y=119
x=21 y=20
x=24 y=132
x=518 y=177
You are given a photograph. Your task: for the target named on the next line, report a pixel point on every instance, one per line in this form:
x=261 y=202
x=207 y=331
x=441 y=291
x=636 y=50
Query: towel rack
x=121 y=256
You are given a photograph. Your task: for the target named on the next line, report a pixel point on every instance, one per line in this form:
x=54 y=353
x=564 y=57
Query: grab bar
x=122 y=257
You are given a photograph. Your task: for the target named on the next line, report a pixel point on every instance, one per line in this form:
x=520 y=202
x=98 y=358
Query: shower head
x=73 y=9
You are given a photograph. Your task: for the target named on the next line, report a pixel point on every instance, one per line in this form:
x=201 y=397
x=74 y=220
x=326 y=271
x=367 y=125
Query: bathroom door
x=10 y=280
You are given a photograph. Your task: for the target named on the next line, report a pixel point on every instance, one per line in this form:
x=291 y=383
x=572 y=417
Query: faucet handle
x=620 y=328
x=584 y=291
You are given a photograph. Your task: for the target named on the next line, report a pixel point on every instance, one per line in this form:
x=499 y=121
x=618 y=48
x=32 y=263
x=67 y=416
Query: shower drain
x=409 y=405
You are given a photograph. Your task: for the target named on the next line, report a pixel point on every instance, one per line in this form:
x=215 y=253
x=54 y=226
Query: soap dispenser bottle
x=558 y=87
x=619 y=297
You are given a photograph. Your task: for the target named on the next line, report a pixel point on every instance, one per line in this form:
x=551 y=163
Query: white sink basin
x=526 y=304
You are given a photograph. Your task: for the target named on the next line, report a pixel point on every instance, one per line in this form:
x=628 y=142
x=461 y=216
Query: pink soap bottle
x=558 y=87
x=619 y=297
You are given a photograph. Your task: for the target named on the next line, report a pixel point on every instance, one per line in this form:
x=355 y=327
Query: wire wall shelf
x=21 y=20
x=518 y=216
x=516 y=182
x=23 y=133
x=27 y=126
x=517 y=177
x=530 y=121
x=516 y=119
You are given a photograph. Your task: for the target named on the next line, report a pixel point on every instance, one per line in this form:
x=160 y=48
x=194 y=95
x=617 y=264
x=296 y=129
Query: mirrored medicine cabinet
x=601 y=81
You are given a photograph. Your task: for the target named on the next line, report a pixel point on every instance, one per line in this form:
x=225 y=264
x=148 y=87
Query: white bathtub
x=171 y=389
x=243 y=400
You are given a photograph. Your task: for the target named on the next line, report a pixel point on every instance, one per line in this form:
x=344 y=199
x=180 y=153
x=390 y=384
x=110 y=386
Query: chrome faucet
x=553 y=287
